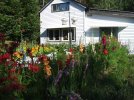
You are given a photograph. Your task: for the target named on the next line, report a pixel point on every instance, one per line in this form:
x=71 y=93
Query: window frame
x=53 y=34
x=58 y=6
x=72 y=28
x=61 y=34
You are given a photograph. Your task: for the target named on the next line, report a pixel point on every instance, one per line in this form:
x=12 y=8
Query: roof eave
x=115 y=13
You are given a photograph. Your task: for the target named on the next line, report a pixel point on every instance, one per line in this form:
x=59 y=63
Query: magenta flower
x=104 y=40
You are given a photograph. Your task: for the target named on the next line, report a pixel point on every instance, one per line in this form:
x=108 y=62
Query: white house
x=64 y=20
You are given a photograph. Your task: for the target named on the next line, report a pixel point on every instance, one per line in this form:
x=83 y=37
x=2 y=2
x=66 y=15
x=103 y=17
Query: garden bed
x=102 y=71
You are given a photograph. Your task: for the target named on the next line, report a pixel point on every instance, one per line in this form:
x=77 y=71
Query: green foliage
x=104 y=71
x=19 y=19
x=127 y=5
x=108 y=72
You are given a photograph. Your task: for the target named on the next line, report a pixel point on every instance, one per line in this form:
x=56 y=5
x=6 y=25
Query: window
x=65 y=34
x=60 y=34
x=54 y=34
x=60 y=7
x=109 y=31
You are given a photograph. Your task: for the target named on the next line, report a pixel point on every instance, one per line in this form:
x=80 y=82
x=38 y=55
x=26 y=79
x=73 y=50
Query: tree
x=30 y=20
x=127 y=5
x=19 y=19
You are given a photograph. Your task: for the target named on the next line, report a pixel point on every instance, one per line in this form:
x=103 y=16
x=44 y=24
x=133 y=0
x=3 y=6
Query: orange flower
x=46 y=62
x=17 y=54
x=48 y=70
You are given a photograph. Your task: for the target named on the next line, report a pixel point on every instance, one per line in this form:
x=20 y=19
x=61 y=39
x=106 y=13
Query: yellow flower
x=33 y=50
x=81 y=48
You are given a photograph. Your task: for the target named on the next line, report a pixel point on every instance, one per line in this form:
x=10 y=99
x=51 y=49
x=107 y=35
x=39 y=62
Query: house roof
x=53 y=0
x=105 y=12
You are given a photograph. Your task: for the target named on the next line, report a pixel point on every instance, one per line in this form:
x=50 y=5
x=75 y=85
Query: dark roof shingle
x=105 y=12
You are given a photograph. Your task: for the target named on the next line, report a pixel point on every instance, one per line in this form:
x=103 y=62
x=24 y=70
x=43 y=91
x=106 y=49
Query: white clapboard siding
x=126 y=37
x=87 y=27
x=125 y=25
x=53 y=19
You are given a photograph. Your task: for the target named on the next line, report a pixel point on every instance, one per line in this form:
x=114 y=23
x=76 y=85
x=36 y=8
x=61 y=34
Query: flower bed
x=55 y=72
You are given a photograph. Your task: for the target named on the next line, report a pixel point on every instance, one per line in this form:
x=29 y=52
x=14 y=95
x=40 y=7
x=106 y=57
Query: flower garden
x=101 y=71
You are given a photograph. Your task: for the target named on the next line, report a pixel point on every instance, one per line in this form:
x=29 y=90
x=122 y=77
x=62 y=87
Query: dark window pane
x=64 y=7
x=109 y=30
x=65 y=34
x=50 y=34
x=54 y=7
x=73 y=35
x=60 y=7
x=57 y=34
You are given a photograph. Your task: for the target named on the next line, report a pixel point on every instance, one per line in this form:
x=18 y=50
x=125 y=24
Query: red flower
x=6 y=56
x=68 y=62
x=43 y=58
x=2 y=79
x=12 y=78
x=105 y=51
x=14 y=64
x=33 y=68
x=12 y=70
x=71 y=50
x=104 y=40
x=28 y=50
x=12 y=87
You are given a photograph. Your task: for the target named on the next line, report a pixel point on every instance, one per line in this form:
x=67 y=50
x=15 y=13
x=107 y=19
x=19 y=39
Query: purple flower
x=58 y=77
